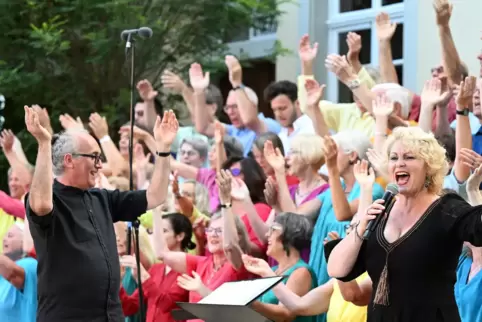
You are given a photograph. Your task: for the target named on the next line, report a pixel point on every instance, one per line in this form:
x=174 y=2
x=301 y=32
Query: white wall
x=425 y=50
x=287 y=66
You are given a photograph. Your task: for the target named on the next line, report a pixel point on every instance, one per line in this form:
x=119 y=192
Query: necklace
x=316 y=184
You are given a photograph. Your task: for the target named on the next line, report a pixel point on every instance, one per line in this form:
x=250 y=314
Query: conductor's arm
x=165 y=132
x=40 y=197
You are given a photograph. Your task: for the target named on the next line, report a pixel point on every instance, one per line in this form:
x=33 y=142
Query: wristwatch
x=354 y=84
x=241 y=86
x=464 y=112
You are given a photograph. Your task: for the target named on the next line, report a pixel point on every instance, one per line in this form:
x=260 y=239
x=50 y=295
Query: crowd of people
x=257 y=197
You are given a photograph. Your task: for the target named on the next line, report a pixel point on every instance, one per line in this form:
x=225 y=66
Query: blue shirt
x=20 y=305
x=247 y=136
x=475 y=129
x=468 y=295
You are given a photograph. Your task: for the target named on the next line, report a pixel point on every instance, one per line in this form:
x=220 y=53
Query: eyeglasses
x=229 y=107
x=94 y=156
x=235 y=172
x=275 y=227
x=214 y=231
x=189 y=153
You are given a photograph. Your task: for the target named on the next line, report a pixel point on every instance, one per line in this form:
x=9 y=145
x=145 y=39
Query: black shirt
x=78 y=264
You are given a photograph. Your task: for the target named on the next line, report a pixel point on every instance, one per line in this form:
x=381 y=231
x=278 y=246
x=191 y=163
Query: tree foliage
x=67 y=55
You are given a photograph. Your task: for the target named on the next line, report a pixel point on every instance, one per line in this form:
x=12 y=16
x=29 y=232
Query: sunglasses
x=94 y=156
x=235 y=172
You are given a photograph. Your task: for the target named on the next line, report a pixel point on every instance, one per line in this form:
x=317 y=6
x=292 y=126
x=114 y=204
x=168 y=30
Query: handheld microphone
x=389 y=197
x=143 y=32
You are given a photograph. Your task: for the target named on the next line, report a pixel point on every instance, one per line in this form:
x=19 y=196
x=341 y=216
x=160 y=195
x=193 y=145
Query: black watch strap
x=464 y=112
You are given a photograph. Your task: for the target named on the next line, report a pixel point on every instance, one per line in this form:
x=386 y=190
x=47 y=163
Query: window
x=353 y=5
x=389 y=2
x=365 y=54
x=359 y=16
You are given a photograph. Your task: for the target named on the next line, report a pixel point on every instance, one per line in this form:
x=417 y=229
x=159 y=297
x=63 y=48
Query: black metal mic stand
x=133 y=228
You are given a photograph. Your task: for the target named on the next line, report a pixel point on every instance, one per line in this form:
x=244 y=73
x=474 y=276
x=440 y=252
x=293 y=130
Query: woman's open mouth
x=402 y=178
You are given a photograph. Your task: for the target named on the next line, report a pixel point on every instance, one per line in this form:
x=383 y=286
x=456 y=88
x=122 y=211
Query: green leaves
x=67 y=54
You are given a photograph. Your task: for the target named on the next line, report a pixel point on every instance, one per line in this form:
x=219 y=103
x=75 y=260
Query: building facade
x=415 y=46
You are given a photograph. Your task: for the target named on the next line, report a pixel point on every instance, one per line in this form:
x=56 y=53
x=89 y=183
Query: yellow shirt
x=147 y=221
x=343 y=311
x=6 y=221
x=339 y=117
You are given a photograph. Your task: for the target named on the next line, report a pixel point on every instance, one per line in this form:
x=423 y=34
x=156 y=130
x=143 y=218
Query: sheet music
x=239 y=293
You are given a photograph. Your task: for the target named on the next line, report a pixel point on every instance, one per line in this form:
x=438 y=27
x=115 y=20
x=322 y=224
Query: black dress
x=421 y=265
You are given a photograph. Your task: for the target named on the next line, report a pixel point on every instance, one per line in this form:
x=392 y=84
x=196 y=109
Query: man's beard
x=15 y=255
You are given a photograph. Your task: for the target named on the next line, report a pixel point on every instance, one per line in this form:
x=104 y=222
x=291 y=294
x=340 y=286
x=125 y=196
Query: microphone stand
x=133 y=228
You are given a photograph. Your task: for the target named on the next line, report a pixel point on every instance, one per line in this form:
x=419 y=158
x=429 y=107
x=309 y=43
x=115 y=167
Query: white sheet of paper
x=239 y=293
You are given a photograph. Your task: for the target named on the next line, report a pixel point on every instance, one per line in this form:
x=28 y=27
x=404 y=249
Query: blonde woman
x=412 y=255
x=304 y=160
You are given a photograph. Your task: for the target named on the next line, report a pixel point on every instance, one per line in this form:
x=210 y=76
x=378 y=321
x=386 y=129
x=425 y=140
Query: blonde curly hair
x=425 y=147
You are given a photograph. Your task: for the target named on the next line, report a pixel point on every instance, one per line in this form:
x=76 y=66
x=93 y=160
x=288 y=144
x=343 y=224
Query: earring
x=427 y=182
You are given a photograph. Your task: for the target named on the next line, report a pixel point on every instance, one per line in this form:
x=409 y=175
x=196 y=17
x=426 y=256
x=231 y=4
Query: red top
x=161 y=293
x=292 y=180
x=12 y=206
x=416 y=106
x=204 y=266
x=263 y=211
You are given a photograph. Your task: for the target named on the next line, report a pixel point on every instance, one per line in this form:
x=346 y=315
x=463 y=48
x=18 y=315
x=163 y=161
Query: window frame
x=359 y=20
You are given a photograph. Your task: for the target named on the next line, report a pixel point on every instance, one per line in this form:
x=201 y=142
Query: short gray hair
x=297 y=231
x=198 y=144
x=63 y=144
x=353 y=141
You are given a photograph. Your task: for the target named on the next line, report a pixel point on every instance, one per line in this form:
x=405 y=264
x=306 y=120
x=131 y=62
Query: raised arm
x=450 y=57
x=114 y=158
x=382 y=109
x=432 y=96
x=248 y=111
x=230 y=232
x=354 y=43
x=176 y=260
x=463 y=136
x=242 y=200
x=276 y=160
x=346 y=254
x=20 y=167
x=345 y=73
x=173 y=81
x=473 y=190
x=385 y=31
x=165 y=131
x=314 y=94
x=148 y=95
x=199 y=80
x=40 y=197
x=341 y=206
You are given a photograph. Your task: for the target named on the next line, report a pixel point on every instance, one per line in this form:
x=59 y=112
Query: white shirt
x=302 y=125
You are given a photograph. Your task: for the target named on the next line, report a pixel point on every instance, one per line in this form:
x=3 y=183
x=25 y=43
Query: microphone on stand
x=142 y=32
x=133 y=227
x=389 y=197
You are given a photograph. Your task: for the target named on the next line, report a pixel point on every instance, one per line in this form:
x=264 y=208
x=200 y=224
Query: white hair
x=353 y=141
x=65 y=143
x=396 y=94
x=253 y=98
